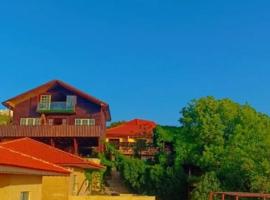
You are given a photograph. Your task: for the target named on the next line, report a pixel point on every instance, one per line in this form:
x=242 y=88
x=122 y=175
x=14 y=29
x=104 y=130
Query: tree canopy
x=219 y=145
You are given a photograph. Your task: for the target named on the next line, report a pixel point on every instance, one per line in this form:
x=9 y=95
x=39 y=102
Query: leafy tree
x=139 y=146
x=220 y=145
x=117 y=123
x=4 y=119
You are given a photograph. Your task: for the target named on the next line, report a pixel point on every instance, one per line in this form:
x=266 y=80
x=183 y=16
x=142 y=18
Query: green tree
x=117 y=123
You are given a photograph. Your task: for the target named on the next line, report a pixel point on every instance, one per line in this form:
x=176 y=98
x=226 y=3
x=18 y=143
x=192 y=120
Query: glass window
x=45 y=101
x=92 y=122
x=77 y=122
x=84 y=122
x=30 y=121
x=24 y=196
x=23 y=121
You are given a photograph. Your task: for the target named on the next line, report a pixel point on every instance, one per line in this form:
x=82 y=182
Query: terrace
x=56 y=107
x=14 y=131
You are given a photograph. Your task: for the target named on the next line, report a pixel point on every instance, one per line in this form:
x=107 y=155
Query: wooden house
x=58 y=114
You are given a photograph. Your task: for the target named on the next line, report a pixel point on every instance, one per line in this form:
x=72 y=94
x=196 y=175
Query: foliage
x=152 y=179
x=4 y=119
x=95 y=178
x=230 y=139
x=139 y=146
x=117 y=123
x=208 y=182
x=220 y=145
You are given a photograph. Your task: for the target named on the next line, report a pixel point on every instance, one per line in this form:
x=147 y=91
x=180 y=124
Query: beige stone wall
x=122 y=197
x=11 y=186
x=77 y=178
x=55 y=187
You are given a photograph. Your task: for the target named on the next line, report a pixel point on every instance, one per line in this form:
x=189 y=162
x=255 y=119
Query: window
x=24 y=196
x=71 y=100
x=45 y=101
x=85 y=122
x=30 y=121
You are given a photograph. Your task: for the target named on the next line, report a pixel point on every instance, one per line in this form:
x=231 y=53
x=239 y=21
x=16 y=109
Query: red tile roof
x=9 y=157
x=133 y=128
x=46 y=152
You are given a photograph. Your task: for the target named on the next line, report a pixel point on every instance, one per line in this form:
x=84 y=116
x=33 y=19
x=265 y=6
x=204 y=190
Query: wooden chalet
x=58 y=114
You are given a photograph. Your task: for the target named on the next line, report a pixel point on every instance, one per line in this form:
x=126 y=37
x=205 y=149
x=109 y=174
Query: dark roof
x=10 y=103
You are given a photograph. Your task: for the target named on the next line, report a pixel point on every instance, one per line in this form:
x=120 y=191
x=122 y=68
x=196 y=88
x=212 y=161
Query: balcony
x=50 y=131
x=56 y=107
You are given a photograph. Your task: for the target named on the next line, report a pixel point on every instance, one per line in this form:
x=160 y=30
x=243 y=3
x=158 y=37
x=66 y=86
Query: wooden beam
x=75 y=146
x=52 y=142
x=223 y=197
x=211 y=196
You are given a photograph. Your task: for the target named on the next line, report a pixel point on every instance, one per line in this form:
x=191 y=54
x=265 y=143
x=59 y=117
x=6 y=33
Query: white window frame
x=30 y=121
x=45 y=101
x=85 y=122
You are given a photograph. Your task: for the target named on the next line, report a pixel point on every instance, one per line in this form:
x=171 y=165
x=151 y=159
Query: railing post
x=75 y=146
x=223 y=197
x=211 y=196
x=52 y=142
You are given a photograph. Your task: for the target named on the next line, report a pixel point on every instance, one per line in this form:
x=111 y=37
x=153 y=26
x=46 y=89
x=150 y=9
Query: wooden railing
x=56 y=107
x=51 y=131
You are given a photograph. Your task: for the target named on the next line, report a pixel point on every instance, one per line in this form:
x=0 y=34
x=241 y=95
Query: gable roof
x=11 y=158
x=133 y=128
x=46 y=152
x=12 y=102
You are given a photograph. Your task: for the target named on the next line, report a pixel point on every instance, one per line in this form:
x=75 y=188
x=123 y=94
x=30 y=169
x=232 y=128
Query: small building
x=21 y=177
x=78 y=184
x=58 y=114
x=125 y=136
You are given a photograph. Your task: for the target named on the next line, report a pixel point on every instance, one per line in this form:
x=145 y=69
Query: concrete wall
x=122 y=197
x=55 y=187
x=11 y=186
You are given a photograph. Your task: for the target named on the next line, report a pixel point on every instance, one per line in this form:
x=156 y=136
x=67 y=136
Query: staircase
x=116 y=185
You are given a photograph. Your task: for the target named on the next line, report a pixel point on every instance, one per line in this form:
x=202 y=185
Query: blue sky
x=147 y=59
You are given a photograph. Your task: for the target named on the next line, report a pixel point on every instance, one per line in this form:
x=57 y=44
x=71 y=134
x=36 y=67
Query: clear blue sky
x=146 y=58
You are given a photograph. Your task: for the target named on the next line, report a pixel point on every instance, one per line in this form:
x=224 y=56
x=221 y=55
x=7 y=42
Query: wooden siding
x=50 y=131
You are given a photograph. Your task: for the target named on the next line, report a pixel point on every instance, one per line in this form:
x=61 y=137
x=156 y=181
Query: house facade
x=58 y=114
x=125 y=136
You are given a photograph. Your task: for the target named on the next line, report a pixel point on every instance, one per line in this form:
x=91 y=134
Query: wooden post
x=223 y=197
x=100 y=145
x=52 y=142
x=211 y=196
x=75 y=146
x=236 y=198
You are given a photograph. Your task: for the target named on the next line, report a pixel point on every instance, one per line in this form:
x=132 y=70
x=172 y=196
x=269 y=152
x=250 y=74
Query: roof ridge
x=34 y=158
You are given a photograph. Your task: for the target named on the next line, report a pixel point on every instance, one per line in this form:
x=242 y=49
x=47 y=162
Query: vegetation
x=117 y=123
x=220 y=145
x=4 y=119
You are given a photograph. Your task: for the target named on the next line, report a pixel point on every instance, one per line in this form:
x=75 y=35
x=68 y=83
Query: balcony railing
x=56 y=107
x=51 y=131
